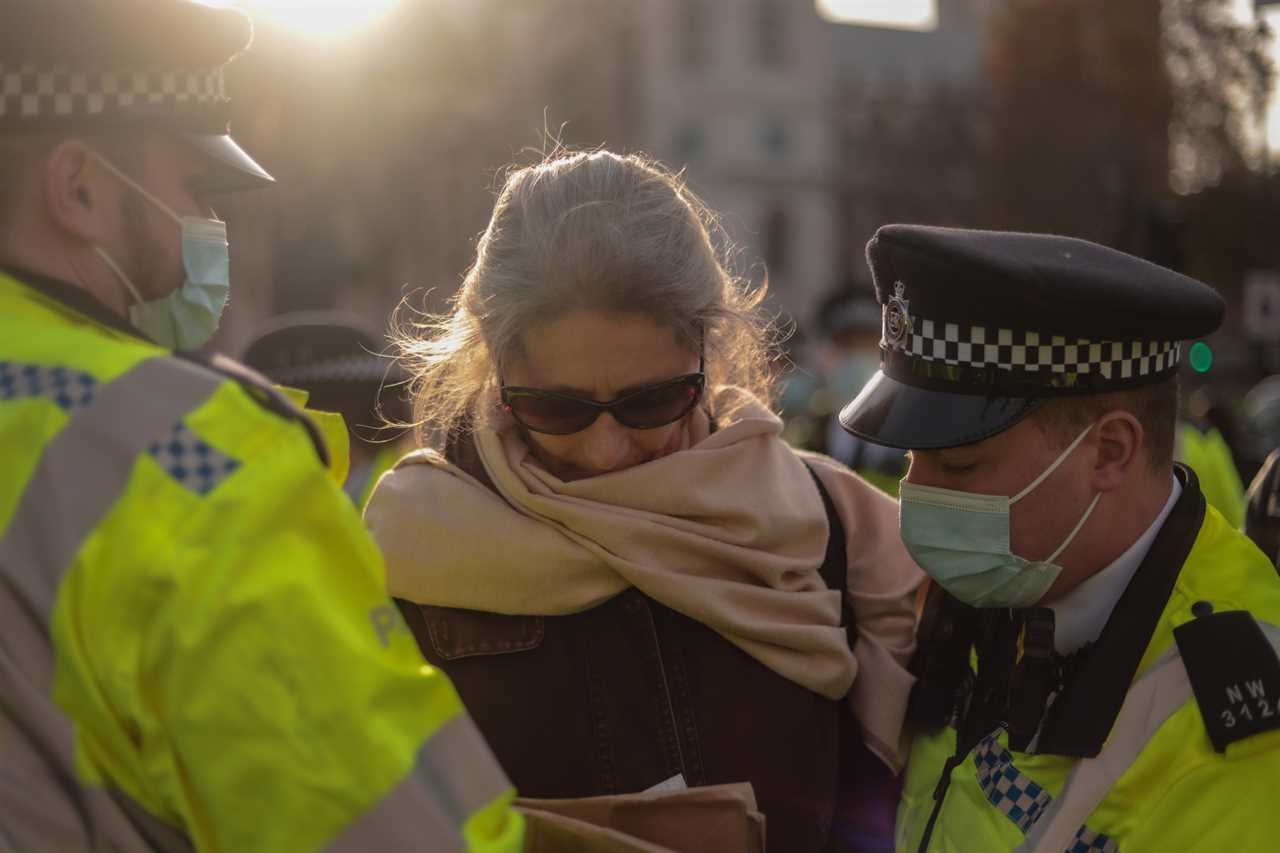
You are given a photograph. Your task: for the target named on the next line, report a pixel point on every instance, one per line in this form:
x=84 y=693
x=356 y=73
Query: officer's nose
x=606 y=445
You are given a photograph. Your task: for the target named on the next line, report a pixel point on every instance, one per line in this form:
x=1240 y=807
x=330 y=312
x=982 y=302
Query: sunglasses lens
x=660 y=406
x=554 y=415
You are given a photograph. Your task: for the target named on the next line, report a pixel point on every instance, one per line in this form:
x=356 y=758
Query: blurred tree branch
x=1081 y=111
x=1221 y=78
x=1100 y=109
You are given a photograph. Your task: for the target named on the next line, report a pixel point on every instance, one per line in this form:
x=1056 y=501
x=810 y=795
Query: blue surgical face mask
x=961 y=540
x=186 y=318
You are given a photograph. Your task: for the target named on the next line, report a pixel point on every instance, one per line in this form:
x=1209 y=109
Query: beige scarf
x=729 y=531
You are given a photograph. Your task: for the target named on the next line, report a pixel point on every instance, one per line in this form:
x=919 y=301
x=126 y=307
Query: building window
x=770 y=33
x=693 y=33
x=777 y=240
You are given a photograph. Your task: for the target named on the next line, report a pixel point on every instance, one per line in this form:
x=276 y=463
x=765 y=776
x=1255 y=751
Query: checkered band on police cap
x=29 y=94
x=932 y=348
x=1021 y=350
x=109 y=62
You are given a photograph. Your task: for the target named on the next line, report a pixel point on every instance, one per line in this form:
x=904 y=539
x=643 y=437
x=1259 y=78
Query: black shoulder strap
x=1081 y=718
x=835 y=566
x=948 y=630
x=263 y=393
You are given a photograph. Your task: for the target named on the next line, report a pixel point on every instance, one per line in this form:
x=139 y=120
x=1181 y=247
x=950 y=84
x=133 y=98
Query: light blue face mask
x=961 y=540
x=186 y=318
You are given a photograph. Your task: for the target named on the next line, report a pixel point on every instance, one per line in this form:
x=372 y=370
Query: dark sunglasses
x=557 y=413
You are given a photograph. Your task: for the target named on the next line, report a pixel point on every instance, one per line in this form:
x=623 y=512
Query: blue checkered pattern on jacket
x=1021 y=799
x=1088 y=841
x=191 y=461
x=69 y=389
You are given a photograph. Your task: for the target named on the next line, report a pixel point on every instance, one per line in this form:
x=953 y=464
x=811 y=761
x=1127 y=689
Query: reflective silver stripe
x=1154 y=698
x=456 y=775
x=43 y=806
x=81 y=473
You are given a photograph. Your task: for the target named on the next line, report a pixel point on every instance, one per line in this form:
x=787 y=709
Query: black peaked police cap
x=85 y=65
x=321 y=349
x=979 y=327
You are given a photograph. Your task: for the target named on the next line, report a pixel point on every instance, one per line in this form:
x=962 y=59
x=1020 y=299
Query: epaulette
x=262 y=392
x=1234 y=670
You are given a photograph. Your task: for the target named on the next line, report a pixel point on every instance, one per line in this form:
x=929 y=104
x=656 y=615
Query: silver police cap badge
x=897 y=319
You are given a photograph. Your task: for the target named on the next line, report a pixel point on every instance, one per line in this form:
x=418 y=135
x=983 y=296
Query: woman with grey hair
x=628 y=575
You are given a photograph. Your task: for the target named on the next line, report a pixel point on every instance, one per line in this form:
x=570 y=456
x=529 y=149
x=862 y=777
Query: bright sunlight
x=322 y=20
x=898 y=14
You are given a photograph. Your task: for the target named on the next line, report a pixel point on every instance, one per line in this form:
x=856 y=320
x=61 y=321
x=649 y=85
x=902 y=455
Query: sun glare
x=898 y=14
x=322 y=20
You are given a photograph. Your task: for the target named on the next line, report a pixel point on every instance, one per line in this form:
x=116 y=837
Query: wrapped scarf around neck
x=729 y=531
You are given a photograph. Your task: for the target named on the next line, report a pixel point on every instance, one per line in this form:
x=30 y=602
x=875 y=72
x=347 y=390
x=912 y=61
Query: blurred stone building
x=740 y=92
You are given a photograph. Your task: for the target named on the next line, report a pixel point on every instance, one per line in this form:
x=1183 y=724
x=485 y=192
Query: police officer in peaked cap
x=196 y=646
x=1126 y=693
x=121 y=105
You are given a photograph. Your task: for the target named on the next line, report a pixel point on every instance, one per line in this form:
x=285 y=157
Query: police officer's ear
x=1119 y=442
x=77 y=192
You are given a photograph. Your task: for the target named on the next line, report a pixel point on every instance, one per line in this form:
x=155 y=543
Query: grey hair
x=592 y=230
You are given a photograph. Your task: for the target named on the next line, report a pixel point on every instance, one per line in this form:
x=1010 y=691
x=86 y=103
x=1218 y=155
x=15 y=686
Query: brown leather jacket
x=629 y=693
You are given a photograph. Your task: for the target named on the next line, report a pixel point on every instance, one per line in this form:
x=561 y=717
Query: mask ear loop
x=1054 y=467
x=1038 y=480
x=124 y=279
x=129 y=182
x=1072 y=535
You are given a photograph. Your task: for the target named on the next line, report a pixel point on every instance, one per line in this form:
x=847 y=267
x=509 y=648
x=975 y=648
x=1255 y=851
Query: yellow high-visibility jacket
x=383 y=462
x=1208 y=455
x=1127 y=761
x=196 y=648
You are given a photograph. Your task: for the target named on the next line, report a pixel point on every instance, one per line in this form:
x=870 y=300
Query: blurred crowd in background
x=1141 y=125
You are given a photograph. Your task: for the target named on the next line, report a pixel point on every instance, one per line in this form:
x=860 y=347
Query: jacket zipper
x=666 y=689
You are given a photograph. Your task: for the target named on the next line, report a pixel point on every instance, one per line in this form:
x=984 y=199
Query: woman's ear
x=76 y=191
x=1121 y=452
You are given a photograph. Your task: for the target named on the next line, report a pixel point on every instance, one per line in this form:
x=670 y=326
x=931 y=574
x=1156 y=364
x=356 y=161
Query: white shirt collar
x=1080 y=615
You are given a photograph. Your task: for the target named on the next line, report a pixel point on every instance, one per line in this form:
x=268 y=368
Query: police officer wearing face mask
x=196 y=649
x=1098 y=666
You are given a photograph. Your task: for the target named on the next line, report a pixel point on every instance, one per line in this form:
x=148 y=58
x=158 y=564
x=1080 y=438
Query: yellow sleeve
x=333 y=429
x=283 y=699
x=1224 y=803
